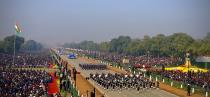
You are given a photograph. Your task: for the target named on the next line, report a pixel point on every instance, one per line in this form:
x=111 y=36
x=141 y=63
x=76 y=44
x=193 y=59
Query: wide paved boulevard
x=118 y=92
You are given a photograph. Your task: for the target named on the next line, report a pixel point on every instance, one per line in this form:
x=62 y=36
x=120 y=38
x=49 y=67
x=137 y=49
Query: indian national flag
x=17 y=28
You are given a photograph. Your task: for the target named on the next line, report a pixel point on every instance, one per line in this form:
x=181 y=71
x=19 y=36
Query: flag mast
x=17 y=29
x=13 y=61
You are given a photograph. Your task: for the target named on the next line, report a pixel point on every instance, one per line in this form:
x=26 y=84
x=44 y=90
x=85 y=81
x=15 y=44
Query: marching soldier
x=188 y=89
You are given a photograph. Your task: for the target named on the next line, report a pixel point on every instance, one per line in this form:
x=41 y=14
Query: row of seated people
x=26 y=60
x=23 y=83
x=93 y=66
x=200 y=78
x=144 y=59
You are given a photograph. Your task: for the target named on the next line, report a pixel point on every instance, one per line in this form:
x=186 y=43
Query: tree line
x=160 y=45
x=7 y=45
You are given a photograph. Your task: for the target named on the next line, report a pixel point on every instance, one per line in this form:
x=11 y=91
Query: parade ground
x=109 y=92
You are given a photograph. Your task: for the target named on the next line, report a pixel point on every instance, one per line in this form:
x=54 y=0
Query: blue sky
x=58 y=21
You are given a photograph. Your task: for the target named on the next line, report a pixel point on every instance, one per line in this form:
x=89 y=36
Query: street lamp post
x=188 y=66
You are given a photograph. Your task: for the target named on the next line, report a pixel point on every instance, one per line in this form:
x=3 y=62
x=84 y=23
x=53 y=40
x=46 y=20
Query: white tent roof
x=203 y=59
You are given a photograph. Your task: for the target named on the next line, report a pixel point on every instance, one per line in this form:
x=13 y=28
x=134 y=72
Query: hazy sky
x=59 y=21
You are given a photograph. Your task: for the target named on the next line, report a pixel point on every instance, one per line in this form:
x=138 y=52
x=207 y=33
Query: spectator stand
x=67 y=85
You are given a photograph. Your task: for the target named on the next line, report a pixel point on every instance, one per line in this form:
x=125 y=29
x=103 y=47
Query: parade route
x=116 y=92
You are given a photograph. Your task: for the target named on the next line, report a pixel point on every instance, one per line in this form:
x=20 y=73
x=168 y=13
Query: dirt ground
x=83 y=85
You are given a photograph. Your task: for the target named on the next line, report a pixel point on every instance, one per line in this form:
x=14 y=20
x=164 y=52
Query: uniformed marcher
x=158 y=84
x=188 y=89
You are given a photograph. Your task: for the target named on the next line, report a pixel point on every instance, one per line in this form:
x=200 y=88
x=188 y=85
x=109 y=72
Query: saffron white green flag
x=17 y=29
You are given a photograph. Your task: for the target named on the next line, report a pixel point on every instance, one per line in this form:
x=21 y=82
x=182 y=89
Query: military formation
x=122 y=81
x=93 y=66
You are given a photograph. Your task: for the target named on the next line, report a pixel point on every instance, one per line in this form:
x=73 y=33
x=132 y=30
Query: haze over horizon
x=56 y=22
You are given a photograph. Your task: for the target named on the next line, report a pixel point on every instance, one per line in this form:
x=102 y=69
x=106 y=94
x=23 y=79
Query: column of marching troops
x=120 y=81
x=93 y=66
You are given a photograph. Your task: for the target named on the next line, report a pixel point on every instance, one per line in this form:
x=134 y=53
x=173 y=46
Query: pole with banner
x=17 y=32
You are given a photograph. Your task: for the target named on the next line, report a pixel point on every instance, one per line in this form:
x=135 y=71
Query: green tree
x=31 y=45
x=135 y=48
x=9 y=43
x=175 y=45
x=147 y=43
x=207 y=37
x=158 y=42
x=120 y=44
x=180 y=42
x=104 y=46
x=204 y=48
x=71 y=45
x=1 y=46
x=88 y=45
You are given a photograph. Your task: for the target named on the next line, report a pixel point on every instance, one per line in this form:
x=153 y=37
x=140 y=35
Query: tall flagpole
x=17 y=31
x=13 y=61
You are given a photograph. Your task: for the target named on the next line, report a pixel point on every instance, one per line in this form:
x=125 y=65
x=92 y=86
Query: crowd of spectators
x=200 y=78
x=148 y=60
x=25 y=60
x=26 y=81
x=23 y=83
